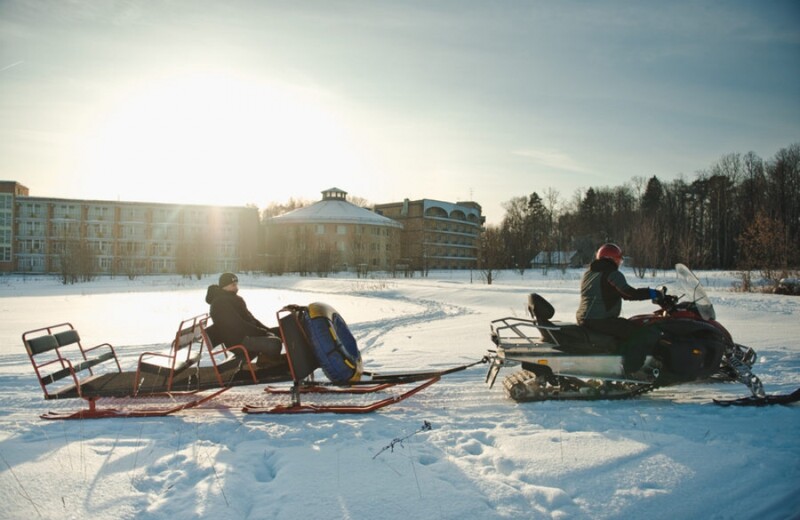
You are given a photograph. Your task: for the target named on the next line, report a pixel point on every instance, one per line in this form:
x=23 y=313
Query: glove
x=656 y=296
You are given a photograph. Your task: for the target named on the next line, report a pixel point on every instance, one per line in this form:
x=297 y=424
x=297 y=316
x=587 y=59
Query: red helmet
x=610 y=251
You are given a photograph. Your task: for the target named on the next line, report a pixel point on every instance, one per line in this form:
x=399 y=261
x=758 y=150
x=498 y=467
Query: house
x=561 y=259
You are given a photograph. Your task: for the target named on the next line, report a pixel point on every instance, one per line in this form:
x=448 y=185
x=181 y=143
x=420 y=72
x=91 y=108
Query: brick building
x=437 y=234
x=50 y=235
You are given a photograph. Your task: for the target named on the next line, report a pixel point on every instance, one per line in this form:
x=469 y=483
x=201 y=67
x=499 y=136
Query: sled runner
x=563 y=361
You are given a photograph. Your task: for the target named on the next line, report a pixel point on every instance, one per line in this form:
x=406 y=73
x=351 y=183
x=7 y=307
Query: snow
x=668 y=454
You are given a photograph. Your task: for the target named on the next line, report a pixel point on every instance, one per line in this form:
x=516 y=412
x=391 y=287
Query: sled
x=163 y=383
x=303 y=359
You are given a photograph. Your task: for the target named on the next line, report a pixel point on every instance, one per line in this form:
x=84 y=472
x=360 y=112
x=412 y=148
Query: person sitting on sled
x=237 y=326
x=603 y=287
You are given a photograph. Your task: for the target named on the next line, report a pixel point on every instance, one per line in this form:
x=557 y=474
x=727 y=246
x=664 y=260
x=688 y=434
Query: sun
x=219 y=138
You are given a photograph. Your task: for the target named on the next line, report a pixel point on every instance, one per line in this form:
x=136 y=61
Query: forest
x=742 y=212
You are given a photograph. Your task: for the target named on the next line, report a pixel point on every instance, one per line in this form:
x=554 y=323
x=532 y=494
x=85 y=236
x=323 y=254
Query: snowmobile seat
x=540 y=309
x=575 y=339
x=56 y=353
x=184 y=352
x=569 y=338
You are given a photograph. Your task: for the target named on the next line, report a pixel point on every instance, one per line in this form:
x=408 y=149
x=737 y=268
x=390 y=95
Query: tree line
x=742 y=212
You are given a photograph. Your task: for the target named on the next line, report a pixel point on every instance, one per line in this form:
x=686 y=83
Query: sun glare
x=206 y=138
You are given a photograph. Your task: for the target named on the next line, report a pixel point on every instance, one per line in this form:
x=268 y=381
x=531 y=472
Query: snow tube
x=333 y=344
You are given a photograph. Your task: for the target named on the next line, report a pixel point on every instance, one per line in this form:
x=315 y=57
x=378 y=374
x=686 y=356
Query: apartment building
x=437 y=234
x=51 y=235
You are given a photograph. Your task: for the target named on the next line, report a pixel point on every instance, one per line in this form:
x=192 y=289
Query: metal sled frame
x=167 y=383
x=303 y=363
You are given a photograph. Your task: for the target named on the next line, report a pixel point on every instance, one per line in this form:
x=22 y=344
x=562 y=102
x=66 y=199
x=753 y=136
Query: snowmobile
x=562 y=361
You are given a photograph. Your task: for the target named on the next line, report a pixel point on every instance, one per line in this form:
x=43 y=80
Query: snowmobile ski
x=765 y=400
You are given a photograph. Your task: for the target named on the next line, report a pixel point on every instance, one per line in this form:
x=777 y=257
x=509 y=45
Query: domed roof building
x=331 y=235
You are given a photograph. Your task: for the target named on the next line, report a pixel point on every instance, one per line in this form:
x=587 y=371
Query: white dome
x=335 y=211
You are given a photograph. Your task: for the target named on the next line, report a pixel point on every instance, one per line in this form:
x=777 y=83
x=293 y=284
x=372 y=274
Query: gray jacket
x=603 y=288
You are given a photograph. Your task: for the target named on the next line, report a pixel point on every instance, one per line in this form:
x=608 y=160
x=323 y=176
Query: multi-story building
x=436 y=234
x=8 y=193
x=330 y=235
x=49 y=235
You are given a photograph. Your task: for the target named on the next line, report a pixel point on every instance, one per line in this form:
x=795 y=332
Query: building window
x=320 y=229
x=341 y=230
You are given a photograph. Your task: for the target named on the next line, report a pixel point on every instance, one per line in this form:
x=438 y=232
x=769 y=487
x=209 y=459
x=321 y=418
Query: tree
x=783 y=190
x=764 y=247
x=516 y=233
x=275 y=208
x=653 y=196
x=644 y=244
x=753 y=189
x=76 y=259
x=491 y=254
x=644 y=241
x=543 y=213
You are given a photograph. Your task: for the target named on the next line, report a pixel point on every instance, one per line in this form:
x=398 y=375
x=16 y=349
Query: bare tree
x=643 y=244
x=764 y=247
x=491 y=254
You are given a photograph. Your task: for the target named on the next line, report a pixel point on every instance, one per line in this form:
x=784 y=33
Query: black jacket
x=603 y=288
x=232 y=319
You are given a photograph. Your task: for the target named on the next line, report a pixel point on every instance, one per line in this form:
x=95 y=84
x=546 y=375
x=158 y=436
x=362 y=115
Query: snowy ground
x=669 y=454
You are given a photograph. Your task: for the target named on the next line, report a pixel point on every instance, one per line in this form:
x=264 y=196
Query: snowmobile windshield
x=693 y=290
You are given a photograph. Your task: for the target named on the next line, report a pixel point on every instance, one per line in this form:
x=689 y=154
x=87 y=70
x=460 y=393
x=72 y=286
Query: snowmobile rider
x=603 y=287
x=237 y=326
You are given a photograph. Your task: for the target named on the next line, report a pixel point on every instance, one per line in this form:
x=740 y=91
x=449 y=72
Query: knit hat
x=226 y=279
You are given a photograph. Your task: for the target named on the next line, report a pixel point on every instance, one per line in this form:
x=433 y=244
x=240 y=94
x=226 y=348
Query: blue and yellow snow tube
x=333 y=344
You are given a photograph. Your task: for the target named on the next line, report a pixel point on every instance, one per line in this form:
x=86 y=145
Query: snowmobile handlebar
x=666 y=301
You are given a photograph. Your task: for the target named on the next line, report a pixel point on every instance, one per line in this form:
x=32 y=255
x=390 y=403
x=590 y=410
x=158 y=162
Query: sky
x=256 y=102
